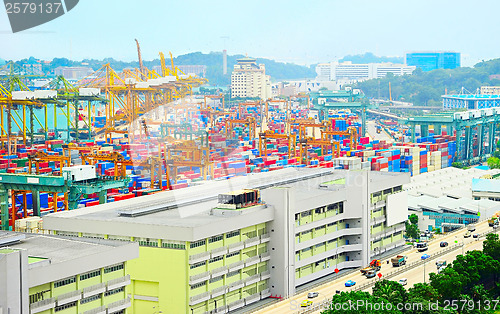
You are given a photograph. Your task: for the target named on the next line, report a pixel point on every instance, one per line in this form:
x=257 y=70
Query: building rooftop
x=486 y=185
x=186 y=214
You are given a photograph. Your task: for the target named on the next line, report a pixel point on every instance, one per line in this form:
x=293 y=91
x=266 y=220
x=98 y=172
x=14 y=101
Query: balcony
x=218 y=252
x=199 y=298
x=219 y=271
x=118 y=282
x=252 y=242
x=93 y=290
x=236 y=266
x=265 y=275
x=235 y=247
x=199 y=278
x=252 y=279
x=265 y=293
x=265 y=257
x=43 y=305
x=69 y=297
x=265 y=238
x=253 y=298
x=236 y=285
x=97 y=310
x=252 y=261
x=118 y=305
x=219 y=291
x=377 y=220
x=236 y=305
x=200 y=257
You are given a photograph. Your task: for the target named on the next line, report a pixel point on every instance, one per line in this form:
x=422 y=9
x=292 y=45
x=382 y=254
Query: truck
x=440 y=263
x=422 y=246
x=471 y=227
x=374 y=265
x=493 y=221
x=398 y=260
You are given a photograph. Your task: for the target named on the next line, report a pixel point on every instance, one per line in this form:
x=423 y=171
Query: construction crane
x=141 y=66
x=309 y=141
x=250 y=121
x=40 y=156
x=351 y=132
x=264 y=136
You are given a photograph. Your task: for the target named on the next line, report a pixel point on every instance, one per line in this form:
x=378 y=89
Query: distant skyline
x=288 y=31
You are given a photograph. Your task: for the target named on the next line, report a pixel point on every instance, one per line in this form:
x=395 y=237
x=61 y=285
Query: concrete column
x=480 y=138
x=424 y=130
x=4 y=209
x=467 y=143
x=459 y=145
x=412 y=130
x=35 y=195
x=437 y=129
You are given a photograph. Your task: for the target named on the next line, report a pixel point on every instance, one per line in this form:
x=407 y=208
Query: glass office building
x=429 y=61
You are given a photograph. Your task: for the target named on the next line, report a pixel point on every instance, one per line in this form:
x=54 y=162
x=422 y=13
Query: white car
x=403 y=281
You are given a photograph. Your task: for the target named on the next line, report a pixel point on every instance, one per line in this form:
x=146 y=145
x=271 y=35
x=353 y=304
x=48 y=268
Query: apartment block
x=197 y=256
x=48 y=274
x=250 y=80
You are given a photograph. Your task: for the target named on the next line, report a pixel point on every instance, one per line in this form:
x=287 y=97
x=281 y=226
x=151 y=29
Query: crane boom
x=141 y=66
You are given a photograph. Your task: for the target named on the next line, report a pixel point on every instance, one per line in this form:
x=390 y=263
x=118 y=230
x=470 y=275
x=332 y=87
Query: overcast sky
x=302 y=32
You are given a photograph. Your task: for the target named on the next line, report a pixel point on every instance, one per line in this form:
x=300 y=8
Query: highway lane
x=325 y=291
x=372 y=132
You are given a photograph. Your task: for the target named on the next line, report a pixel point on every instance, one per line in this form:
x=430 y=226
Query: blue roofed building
x=429 y=61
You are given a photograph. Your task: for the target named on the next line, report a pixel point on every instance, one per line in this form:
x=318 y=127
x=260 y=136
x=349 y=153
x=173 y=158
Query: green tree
x=449 y=284
x=413 y=219
x=412 y=231
x=423 y=291
x=491 y=246
x=493 y=163
x=390 y=290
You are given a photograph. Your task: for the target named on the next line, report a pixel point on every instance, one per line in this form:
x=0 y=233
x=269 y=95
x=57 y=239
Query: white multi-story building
x=202 y=257
x=335 y=71
x=250 y=80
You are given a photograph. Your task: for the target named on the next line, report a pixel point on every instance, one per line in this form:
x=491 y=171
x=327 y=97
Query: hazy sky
x=303 y=32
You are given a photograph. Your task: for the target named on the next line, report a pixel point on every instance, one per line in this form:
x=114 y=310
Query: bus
x=422 y=246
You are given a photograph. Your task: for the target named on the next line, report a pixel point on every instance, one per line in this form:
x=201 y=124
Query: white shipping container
x=88 y=91
x=80 y=173
x=45 y=94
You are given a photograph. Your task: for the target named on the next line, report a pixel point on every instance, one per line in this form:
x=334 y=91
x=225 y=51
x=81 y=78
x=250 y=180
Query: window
x=173 y=245
x=388 y=191
x=114 y=291
x=341 y=207
x=64 y=282
x=90 y=299
x=215 y=259
x=306 y=213
x=38 y=296
x=232 y=254
x=215 y=239
x=196 y=265
x=90 y=275
x=147 y=242
x=320 y=228
x=233 y=273
x=197 y=244
x=218 y=278
x=319 y=210
x=64 y=306
x=397 y=188
x=320 y=244
x=198 y=285
x=114 y=268
x=232 y=234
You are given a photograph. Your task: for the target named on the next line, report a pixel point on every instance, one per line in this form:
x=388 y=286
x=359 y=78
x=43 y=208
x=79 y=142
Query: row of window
x=176 y=246
x=38 y=296
x=250 y=234
x=64 y=282
x=91 y=274
x=90 y=299
x=215 y=238
x=321 y=244
x=318 y=229
x=218 y=278
x=114 y=268
x=216 y=259
x=323 y=209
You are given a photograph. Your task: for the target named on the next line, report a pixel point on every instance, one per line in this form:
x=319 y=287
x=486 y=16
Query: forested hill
x=213 y=61
x=426 y=88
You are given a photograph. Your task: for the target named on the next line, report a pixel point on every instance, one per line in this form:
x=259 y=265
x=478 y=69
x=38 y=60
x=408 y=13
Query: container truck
x=422 y=246
x=493 y=221
x=375 y=264
x=398 y=260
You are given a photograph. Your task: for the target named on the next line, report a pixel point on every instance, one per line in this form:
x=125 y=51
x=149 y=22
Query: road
x=372 y=132
x=413 y=274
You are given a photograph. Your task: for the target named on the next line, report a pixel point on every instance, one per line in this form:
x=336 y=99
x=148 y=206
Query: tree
x=493 y=163
x=423 y=291
x=392 y=291
x=413 y=219
x=412 y=231
x=491 y=246
x=449 y=284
